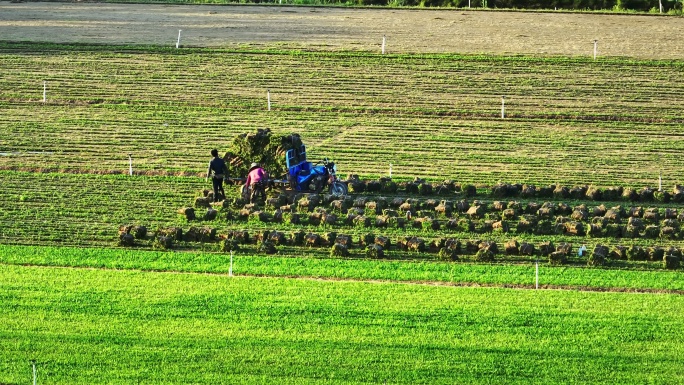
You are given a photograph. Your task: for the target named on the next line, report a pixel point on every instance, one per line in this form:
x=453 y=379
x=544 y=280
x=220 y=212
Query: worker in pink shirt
x=256 y=182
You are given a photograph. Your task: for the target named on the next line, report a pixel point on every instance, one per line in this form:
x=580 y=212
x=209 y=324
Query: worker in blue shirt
x=218 y=172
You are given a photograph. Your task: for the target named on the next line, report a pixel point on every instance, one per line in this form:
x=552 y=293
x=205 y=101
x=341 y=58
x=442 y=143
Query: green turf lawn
x=308 y=265
x=88 y=326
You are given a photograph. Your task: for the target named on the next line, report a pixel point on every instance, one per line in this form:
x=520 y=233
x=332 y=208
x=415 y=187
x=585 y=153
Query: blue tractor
x=305 y=176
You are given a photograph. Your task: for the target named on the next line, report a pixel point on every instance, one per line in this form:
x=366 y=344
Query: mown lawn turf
x=121 y=327
x=497 y=274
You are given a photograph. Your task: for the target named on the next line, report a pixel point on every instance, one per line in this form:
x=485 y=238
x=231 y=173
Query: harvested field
x=65 y=209
x=335 y=29
x=567 y=120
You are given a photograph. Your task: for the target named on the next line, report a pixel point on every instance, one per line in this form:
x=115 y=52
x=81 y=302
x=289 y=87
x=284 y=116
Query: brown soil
x=454 y=31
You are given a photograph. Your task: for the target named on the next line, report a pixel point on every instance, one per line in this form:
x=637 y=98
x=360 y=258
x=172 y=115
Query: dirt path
x=348 y=29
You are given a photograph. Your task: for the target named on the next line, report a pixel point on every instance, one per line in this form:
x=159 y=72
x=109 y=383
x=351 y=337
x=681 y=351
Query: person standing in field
x=218 y=172
x=256 y=182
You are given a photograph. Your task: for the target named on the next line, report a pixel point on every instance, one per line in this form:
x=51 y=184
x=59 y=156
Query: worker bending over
x=256 y=182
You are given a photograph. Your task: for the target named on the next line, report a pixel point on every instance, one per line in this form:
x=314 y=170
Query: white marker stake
x=130 y=164
x=44 y=91
x=34 y=372
x=230 y=269
x=390 y=171
x=383 y=44
x=595 y=45
x=268 y=99
x=178 y=41
x=536 y=275
x=660 y=182
x=503 y=107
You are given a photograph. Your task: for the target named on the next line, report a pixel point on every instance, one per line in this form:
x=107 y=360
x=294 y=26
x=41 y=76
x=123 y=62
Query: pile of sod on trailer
x=261 y=147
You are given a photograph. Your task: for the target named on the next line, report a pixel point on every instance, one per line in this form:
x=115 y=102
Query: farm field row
x=434 y=30
x=87 y=210
x=313 y=265
x=99 y=139
x=357 y=82
x=125 y=326
x=568 y=121
x=78 y=202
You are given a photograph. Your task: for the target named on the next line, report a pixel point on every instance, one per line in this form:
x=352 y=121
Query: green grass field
x=122 y=327
x=317 y=266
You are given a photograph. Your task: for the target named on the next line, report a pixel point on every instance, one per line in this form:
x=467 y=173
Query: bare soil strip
x=327 y=28
x=380 y=281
